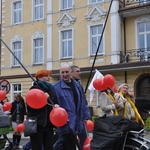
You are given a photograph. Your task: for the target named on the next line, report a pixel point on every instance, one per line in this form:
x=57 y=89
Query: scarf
x=138 y=116
x=113 y=100
x=45 y=85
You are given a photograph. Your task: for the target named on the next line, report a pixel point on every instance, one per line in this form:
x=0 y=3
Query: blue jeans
x=60 y=143
x=27 y=146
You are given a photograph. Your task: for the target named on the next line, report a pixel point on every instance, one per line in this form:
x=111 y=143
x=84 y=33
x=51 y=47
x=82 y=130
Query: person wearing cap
x=130 y=111
x=43 y=139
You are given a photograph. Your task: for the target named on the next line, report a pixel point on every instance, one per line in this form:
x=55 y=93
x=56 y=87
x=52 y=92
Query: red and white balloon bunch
x=108 y=81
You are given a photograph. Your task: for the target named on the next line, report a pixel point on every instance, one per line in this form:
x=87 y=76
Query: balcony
x=129 y=8
x=136 y=55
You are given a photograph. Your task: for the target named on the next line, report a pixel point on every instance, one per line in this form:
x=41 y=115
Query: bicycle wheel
x=136 y=144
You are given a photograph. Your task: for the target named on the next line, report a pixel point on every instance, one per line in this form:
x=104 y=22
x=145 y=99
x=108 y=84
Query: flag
x=91 y=88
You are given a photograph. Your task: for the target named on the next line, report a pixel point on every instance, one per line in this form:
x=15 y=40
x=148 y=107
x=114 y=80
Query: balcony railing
x=133 y=3
x=136 y=55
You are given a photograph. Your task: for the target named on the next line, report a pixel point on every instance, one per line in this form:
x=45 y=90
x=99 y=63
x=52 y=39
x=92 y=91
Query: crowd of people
x=67 y=93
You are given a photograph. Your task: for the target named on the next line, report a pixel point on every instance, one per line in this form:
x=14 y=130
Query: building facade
x=107 y=35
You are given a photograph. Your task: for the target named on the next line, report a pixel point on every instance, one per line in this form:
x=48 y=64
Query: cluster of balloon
x=20 y=127
x=36 y=98
x=86 y=144
x=7 y=106
x=2 y=95
x=102 y=83
x=99 y=84
x=58 y=116
x=109 y=80
x=89 y=125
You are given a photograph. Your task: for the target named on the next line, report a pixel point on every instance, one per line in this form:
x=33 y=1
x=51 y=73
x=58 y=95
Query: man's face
x=124 y=89
x=76 y=73
x=65 y=73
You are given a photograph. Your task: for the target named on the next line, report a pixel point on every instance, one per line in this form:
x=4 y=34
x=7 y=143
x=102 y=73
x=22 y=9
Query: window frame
x=14 y=62
x=17 y=91
x=143 y=52
x=18 y=11
x=62 y=4
x=66 y=40
x=34 y=11
x=91 y=39
x=38 y=48
x=97 y=1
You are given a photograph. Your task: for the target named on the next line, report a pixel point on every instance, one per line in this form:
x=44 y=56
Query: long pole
x=24 y=68
x=98 y=48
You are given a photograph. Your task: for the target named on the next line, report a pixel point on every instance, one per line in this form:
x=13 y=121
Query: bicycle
x=134 y=140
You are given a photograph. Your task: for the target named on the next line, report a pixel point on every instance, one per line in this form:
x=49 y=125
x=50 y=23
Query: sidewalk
x=10 y=135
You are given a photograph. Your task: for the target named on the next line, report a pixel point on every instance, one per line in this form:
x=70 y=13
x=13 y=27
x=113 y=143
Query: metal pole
x=25 y=69
x=98 y=47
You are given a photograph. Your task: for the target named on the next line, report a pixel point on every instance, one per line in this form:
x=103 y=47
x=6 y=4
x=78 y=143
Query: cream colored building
x=70 y=31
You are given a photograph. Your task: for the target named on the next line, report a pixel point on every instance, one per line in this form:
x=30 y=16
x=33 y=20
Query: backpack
x=4 y=119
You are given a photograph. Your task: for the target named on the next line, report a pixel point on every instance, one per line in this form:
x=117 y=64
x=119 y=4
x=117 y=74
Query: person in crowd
x=75 y=73
x=110 y=103
x=43 y=139
x=70 y=96
x=18 y=115
x=130 y=111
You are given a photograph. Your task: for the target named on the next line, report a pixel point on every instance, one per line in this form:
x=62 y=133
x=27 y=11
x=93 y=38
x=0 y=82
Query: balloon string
x=50 y=104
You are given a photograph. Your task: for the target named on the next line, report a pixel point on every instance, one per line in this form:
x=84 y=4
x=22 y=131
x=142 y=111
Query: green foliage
x=148 y=124
x=93 y=118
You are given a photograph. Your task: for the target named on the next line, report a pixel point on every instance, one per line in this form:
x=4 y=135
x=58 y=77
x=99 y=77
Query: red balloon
x=2 y=95
x=58 y=116
x=89 y=125
x=36 y=98
x=115 y=89
x=86 y=144
x=7 y=106
x=20 y=127
x=99 y=84
x=109 y=80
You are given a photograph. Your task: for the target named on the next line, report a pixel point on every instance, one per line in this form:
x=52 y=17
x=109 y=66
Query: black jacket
x=43 y=113
x=22 y=110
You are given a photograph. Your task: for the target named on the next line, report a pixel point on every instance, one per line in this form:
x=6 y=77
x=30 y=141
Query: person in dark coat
x=43 y=139
x=18 y=113
x=70 y=96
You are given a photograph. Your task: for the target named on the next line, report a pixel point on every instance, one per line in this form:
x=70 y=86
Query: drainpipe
x=0 y=31
x=124 y=23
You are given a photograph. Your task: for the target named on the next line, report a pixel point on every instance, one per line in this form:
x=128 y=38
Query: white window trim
x=12 y=92
x=33 y=19
x=12 y=12
x=90 y=2
x=60 y=43
x=16 y=38
x=60 y=5
x=143 y=18
x=89 y=39
x=37 y=35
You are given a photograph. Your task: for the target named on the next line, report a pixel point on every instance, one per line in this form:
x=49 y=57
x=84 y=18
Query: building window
x=144 y=38
x=96 y=1
x=16 y=89
x=144 y=1
x=67 y=43
x=38 y=51
x=66 y=4
x=95 y=38
x=17 y=52
x=17 y=12
x=38 y=9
